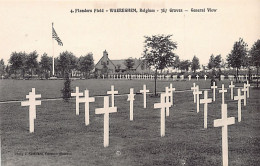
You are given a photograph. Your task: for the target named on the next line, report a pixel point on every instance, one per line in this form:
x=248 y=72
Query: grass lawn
x=61 y=137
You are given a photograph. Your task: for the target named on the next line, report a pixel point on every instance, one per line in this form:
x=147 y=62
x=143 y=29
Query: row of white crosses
x=225 y=121
x=105 y=110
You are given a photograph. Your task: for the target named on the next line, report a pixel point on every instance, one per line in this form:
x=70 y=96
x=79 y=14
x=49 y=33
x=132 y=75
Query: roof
x=121 y=62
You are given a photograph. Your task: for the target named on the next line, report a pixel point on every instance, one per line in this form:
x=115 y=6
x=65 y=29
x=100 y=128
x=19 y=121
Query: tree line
x=26 y=65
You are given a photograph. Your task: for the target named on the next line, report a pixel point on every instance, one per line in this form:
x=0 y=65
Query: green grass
x=59 y=130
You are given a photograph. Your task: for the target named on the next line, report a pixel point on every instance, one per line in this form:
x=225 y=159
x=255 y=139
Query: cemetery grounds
x=61 y=137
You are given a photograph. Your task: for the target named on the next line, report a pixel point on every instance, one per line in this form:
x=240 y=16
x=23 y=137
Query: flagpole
x=52 y=54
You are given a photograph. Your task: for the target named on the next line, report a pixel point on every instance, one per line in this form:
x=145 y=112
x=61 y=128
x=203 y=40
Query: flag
x=56 y=37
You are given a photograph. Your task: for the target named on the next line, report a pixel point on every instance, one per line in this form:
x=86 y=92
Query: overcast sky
x=26 y=26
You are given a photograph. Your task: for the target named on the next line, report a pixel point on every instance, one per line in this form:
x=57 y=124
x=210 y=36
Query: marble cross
x=247 y=86
x=189 y=77
x=86 y=99
x=231 y=86
x=197 y=93
x=224 y=122
x=131 y=98
x=205 y=101
x=205 y=77
x=197 y=77
x=214 y=91
x=77 y=94
x=194 y=89
x=106 y=111
x=171 y=89
x=144 y=91
x=223 y=90
x=112 y=93
x=239 y=98
x=244 y=90
x=32 y=103
x=162 y=105
x=167 y=100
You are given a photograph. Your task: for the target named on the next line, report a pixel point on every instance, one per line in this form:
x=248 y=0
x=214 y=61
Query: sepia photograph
x=129 y=83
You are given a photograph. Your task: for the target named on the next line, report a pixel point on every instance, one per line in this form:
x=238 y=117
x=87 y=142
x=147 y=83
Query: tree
x=211 y=62
x=255 y=57
x=86 y=64
x=158 y=52
x=236 y=58
x=17 y=62
x=66 y=62
x=195 y=64
x=176 y=63
x=217 y=61
x=31 y=62
x=129 y=63
x=2 y=67
x=184 y=65
x=45 y=64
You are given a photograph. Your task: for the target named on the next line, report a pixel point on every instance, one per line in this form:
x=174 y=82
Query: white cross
x=205 y=76
x=189 y=77
x=167 y=100
x=117 y=76
x=205 y=101
x=162 y=105
x=86 y=99
x=197 y=92
x=131 y=98
x=171 y=89
x=231 y=86
x=112 y=93
x=103 y=76
x=2 y=77
x=144 y=92
x=223 y=90
x=32 y=103
x=239 y=98
x=197 y=77
x=77 y=94
x=224 y=122
x=246 y=76
x=247 y=86
x=244 y=90
x=214 y=91
x=106 y=110
x=194 y=89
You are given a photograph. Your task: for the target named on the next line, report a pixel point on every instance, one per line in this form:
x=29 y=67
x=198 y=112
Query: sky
x=27 y=26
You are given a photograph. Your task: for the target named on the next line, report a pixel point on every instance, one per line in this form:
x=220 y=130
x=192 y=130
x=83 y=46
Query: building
x=106 y=65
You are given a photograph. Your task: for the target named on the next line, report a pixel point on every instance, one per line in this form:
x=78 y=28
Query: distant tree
x=255 y=56
x=217 y=61
x=17 y=62
x=184 y=65
x=236 y=58
x=129 y=63
x=211 y=62
x=2 y=67
x=158 y=52
x=45 y=64
x=67 y=61
x=176 y=63
x=195 y=64
x=31 y=63
x=86 y=64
